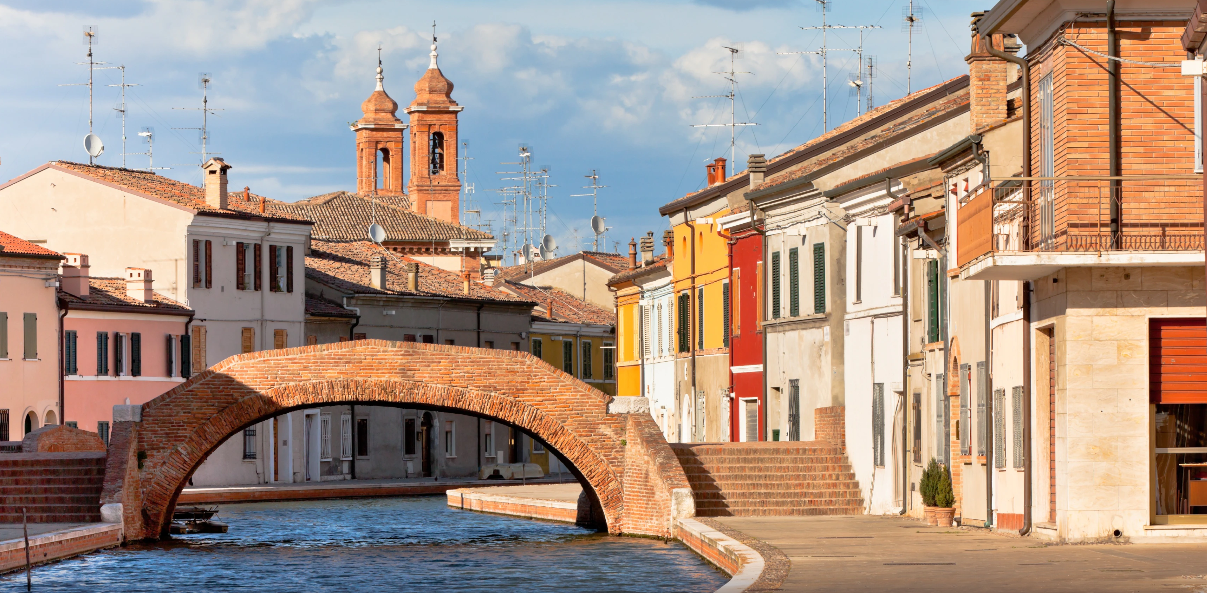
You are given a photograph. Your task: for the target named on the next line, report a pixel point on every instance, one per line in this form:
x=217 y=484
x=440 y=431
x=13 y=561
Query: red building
x=747 y=421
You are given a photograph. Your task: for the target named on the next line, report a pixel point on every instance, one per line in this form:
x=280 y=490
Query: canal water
x=382 y=544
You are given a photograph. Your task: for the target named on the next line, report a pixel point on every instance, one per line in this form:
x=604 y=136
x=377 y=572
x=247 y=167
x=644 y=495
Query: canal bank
x=54 y=541
x=340 y=489
x=741 y=562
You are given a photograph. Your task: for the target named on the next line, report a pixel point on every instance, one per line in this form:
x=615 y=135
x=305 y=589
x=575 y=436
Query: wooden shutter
x=119 y=354
x=171 y=356
x=240 y=267
x=858 y=264
x=819 y=277
x=793 y=282
x=289 y=268
x=312 y=340
x=585 y=363
x=775 y=285
x=700 y=318
x=758 y=296
x=199 y=349
x=932 y=301
x=259 y=261
x=274 y=270
x=31 y=336
x=646 y=341
x=725 y=320
x=982 y=409
x=1017 y=409
x=279 y=340
x=69 y=353
x=568 y=357
x=100 y=354
x=209 y=264
x=135 y=354
x=941 y=443
x=1177 y=361
x=736 y=304
x=965 y=409
x=878 y=424
x=186 y=356
x=3 y=334
x=196 y=263
x=249 y=339
x=999 y=428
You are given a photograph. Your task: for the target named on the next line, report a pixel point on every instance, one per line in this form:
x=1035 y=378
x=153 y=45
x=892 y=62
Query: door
x=1178 y=390
x=699 y=436
x=752 y=420
x=306 y=441
x=425 y=443
x=794 y=409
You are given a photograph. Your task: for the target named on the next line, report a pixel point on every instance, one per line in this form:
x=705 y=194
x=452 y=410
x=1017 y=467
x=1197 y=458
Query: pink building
x=122 y=342
x=29 y=358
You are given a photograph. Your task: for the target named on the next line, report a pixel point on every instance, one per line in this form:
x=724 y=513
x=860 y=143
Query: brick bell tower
x=434 y=187
x=379 y=134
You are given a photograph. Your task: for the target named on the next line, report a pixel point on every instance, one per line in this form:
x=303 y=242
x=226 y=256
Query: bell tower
x=434 y=187
x=380 y=137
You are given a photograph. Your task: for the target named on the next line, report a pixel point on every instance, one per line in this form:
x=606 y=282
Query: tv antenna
x=149 y=134
x=732 y=77
x=909 y=16
x=857 y=82
x=92 y=144
x=872 y=71
x=824 y=7
x=468 y=206
x=597 y=222
x=121 y=109
x=203 y=81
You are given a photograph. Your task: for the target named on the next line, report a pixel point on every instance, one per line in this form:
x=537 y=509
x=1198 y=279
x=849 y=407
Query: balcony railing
x=1140 y=213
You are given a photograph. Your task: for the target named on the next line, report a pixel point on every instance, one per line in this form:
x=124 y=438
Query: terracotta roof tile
x=11 y=245
x=346 y=216
x=111 y=292
x=345 y=266
x=660 y=262
x=320 y=307
x=566 y=307
x=613 y=262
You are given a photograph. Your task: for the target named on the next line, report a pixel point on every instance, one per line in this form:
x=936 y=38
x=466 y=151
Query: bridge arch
x=620 y=457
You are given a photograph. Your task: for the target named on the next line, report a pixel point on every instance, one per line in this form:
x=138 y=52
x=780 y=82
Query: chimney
x=647 y=248
x=377 y=272
x=75 y=274
x=632 y=253
x=215 y=183
x=756 y=168
x=549 y=309
x=987 y=80
x=488 y=276
x=668 y=241
x=716 y=171
x=138 y=285
x=413 y=277
x=465 y=283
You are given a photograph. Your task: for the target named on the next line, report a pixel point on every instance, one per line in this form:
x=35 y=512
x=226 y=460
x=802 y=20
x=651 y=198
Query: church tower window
x=436 y=153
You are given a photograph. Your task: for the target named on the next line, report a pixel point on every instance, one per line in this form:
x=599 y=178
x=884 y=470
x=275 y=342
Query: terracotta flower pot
x=928 y=514
x=943 y=516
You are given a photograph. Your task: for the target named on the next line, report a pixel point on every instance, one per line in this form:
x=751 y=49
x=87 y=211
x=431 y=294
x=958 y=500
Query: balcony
x=1025 y=229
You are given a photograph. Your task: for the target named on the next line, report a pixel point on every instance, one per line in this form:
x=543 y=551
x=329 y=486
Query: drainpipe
x=942 y=315
x=989 y=435
x=352 y=411
x=766 y=435
x=691 y=297
x=62 y=363
x=1113 y=117
x=479 y=327
x=1026 y=408
x=906 y=496
x=730 y=241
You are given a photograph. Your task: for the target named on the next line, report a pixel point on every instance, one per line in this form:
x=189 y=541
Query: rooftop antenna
x=732 y=77
x=149 y=134
x=468 y=205
x=823 y=6
x=857 y=82
x=121 y=110
x=872 y=71
x=203 y=80
x=910 y=15
x=597 y=222
x=92 y=143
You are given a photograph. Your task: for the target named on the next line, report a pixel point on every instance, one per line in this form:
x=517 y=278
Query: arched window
x=436 y=153
x=383 y=169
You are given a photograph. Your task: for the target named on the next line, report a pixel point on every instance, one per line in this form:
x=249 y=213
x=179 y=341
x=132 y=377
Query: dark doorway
x=425 y=443
x=513 y=446
x=794 y=409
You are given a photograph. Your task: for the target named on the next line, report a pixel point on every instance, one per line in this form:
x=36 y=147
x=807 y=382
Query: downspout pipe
x=1027 y=494
x=62 y=363
x=691 y=298
x=1113 y=117
x=903 y=278
x=352 y=407
x=758 y=306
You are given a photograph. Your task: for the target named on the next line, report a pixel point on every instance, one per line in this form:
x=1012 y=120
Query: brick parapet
x=829 y=424
x=61 y=439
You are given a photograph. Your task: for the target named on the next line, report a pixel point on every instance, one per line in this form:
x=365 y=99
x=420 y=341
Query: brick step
x=756 y=469
x=734 y=477
x=52 y=487
x=40 y=517
x=755 y=495
x=52 y=482
x=777 y=512
x=805 y=447
x=765 y=461
x=786 y=487
x=51 y=459
x=74 y=508
x=779 y=503
x=28 y=499
x=46 y=472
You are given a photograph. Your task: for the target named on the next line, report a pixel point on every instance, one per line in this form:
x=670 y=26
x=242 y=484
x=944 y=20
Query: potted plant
x=930 y=475
x=944 y=499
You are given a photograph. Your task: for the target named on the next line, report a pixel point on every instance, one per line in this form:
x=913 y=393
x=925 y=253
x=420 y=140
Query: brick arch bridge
x=630 y=473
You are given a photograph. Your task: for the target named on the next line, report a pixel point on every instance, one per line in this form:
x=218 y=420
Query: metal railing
x=1140 y=213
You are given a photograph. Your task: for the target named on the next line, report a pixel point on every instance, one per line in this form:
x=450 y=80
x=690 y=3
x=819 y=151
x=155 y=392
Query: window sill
x=249 y=460
x=32 y=359
x=324 y=459
x=450 y=456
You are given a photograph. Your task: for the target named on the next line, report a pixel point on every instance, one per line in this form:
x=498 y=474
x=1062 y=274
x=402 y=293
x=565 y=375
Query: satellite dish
x=597 y=225
x=548 y=244
x=94 y=146
x=545 y=253
x=376 y=233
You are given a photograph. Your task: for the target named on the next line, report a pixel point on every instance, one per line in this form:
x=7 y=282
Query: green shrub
x=930 y=477
x=944 y=497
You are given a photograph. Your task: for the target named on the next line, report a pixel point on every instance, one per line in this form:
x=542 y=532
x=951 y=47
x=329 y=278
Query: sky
x=610 y=86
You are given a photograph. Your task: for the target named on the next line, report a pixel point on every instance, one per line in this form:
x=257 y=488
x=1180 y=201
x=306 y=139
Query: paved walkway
x=864 y=553
x=13 y=530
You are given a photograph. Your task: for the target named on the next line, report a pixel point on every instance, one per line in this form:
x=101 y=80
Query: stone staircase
x=770 y=478
x=52 y=487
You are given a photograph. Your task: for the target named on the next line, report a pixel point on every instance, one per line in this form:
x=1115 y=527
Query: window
x=4 y=426
x=609 y=361
x=725 y=320
x=170 y=357
x=982 y=397
x=102 y=354
x=1198 y=124
x=435 y=153
x=362 y=437
x=646 y=344
x=1047 y=162
x=735 y=304
x=203 y=269
x=586 y=360
x=568 y=357
x=102 y=430
x=515 y=346
x=965 y=410
x=659 y=345
x=793 y=282
x=932 y=301
x=452 y=342
x=536 y=347
x=31 y=336
x=450 y=438
x=248 y=340
x=684 y=331
x=70 y=362
x=897 y=255
x=408 y=437
x=325 y=437
x=1016 y=406
x=775 y=285
x=360 y=336
x=488 y=439
x=186 y=356
x=3 y=335
x=917 y=432
x=312 y=340
x=858 y=264
x=999 y=428
x=197 y=263
x=280 y=339
x=249 y=442
x=819 y=278
x=700 y=318
x=878 y=424
x=119 y=354
x=276 y=268
x=245 y=277
x=489 y=344
x=408 y=338
x=135 y=354
x=427 y=339
x=345 y=437
x=941 y=444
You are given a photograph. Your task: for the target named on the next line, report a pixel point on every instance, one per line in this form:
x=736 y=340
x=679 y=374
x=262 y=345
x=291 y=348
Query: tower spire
x=380 y=77
x=433 y=66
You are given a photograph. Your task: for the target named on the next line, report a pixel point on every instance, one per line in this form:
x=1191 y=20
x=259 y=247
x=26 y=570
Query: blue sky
x=607 y=85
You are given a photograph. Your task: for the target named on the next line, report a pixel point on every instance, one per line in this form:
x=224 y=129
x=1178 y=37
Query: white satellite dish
x=597 y=225
x=93 y=145
x=376 y=233
x=548 y=243
x=545 y=253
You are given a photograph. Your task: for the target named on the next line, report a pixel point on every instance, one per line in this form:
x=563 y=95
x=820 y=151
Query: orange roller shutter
x=1178 y=361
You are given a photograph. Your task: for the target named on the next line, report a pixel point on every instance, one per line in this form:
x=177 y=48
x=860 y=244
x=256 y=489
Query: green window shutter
x=135 y=354
x=31 y=336
x=3 y=335
x=586 y=364
x=819 y=277
x=775 y=285
x=932 y=298
x=171 y=355
x=725 y=314
x=69 y=362
x=100 y=354
x=684 y=338
x=793 y=282
x=700 y=319
x=568 y=357
x=536 y=347
x=186 y=355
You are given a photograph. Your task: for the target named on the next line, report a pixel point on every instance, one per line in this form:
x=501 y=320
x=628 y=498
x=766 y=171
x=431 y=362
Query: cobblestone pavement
x=865 y=553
